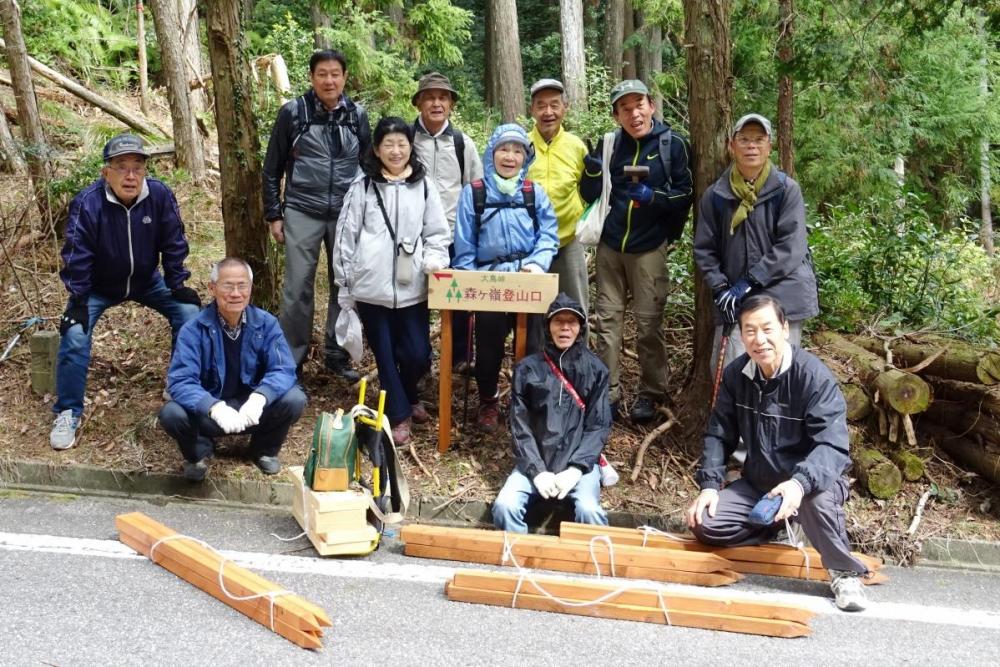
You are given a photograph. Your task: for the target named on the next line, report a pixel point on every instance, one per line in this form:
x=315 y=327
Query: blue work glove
x=640 y=194
x=728 y=300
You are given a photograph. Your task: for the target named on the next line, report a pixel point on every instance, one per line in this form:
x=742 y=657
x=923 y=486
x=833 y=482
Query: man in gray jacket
x=751 y=237
x=787 y=407
x=452 y=161
x=315 y=146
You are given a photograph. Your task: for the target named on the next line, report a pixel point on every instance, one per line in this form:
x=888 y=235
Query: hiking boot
x=269 y=465
x=609 y=476
x=848 y=591
x=643 y=410
x=418 y=413
x=401 y=433
x=63 y=434
x=488 y=418
x=343 y=369
x=195 y=471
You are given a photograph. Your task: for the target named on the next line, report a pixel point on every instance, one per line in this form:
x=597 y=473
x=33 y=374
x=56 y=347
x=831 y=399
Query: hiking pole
x=727 y=329
x=469 y=331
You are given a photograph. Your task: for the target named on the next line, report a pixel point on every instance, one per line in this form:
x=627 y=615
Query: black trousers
x=821 y=516
x=195 y=434
x=492 y=330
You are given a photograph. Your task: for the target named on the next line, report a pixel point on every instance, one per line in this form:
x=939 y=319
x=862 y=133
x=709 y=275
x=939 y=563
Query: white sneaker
x=609 y=476
x=848 y=591
x=63 y=434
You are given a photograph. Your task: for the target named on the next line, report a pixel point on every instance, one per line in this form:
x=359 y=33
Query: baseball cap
x=628 y=87
x=752 y=118
x=433 y=81
x=124 y=144
x=542 y=84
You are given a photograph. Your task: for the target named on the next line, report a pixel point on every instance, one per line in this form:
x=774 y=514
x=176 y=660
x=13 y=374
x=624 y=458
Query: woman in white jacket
x=391 y=231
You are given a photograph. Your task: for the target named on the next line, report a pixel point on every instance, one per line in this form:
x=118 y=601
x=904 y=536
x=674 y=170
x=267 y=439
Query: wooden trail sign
x=491 y=291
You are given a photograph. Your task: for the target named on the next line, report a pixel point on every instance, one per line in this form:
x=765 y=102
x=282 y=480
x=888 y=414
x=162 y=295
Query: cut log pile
x=604 y=599
x=336 y=522
x=776 y=560
x=287 y=614
x=546 y=552
x=952 y=386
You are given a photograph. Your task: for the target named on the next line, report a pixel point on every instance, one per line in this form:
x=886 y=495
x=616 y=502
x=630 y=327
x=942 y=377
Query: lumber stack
x=775 y=560
x=291 y=616
x=638 y=603
x=336 y=522
x=547 y=552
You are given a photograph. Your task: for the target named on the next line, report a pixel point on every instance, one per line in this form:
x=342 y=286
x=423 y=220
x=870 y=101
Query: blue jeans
x=518 y=492
x=195 y=434
x=400 y=339
x=73 y=361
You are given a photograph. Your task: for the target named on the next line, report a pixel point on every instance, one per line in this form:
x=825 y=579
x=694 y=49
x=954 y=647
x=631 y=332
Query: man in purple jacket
x=120 y=229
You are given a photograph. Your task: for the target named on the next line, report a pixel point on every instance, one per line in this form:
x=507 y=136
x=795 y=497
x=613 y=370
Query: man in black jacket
x=560 y=418
x=315 y=146
x=644 y=219
x=787 y=408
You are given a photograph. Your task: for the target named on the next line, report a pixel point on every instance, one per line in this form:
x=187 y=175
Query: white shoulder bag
x=591 y=223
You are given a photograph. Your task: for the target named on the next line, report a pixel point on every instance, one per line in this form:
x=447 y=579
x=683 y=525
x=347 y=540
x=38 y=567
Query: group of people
x=407 y=199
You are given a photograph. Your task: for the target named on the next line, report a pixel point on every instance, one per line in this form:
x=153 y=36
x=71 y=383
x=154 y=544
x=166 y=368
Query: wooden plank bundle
x=547 y=552
x=289 y=615
x=636 y=603
x=336 y=522
x=776 y=560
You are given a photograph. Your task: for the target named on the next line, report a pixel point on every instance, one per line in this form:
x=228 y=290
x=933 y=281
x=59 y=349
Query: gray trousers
x=821 y=516
x=570 y=263
x=303 y=237
x=643 y=276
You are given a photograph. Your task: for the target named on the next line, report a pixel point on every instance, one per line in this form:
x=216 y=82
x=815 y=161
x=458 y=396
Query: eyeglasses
x=744 y=142
x=125 y=171
x=229 y=288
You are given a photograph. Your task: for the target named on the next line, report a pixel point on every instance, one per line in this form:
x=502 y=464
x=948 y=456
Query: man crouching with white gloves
x=559 y=418
x=232 y=372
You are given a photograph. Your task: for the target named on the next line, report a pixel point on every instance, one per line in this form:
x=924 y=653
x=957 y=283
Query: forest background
x=889 y=120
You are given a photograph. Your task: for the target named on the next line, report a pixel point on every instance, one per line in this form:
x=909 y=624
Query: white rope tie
x=525 y=575
x=270 y=595
x=305 y=516
x=611 y=553
x=649 y=530
x=797 y=543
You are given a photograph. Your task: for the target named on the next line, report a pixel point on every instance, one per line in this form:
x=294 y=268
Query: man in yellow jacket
x=558 y=167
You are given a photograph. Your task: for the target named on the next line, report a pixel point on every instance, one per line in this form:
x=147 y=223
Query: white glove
x=567 y=479
x=545 y=482
x=430 y=266
x=532 y=268
x=253 y=407
x=228 y=419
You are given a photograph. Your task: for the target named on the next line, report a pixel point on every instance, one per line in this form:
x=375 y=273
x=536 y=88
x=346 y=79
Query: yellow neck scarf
x=746 y=192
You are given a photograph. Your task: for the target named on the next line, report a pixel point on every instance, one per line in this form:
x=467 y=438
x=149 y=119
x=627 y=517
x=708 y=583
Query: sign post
x=493 y=291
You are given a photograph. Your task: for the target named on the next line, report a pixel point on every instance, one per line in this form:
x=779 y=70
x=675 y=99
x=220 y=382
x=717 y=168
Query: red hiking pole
x=727 y=329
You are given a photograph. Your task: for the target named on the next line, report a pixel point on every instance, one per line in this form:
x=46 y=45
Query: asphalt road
x=70 y=594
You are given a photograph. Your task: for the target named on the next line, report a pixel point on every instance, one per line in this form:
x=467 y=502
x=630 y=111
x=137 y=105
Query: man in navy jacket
x=232 y=372
x=120 y=229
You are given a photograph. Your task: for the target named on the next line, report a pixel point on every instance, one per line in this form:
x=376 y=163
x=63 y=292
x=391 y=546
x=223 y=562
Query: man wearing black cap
x=751 y=237
x=560 y=419
x=120 y=229
x=452 y=162
x=647 y=214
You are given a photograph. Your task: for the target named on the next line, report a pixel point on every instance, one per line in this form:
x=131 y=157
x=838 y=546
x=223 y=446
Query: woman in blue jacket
x=506 y=236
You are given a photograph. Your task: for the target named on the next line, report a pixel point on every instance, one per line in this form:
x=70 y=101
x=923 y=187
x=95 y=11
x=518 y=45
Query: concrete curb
x=91 y=480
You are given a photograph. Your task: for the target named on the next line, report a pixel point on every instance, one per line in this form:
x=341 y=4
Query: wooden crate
x=336 y=522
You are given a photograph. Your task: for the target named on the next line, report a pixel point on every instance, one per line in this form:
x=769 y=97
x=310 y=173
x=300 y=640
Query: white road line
x=438 y=574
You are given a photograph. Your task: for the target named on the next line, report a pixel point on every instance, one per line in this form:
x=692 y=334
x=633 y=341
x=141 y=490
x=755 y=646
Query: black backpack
x=304 y=119
x=479 y=203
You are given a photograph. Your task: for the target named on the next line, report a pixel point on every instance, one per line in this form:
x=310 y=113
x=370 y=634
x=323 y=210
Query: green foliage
x=440 y=31
x=885 y=261
x=593 y=122
x=85 y=39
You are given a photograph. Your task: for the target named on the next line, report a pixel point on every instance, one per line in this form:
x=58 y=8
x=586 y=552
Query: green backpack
x=332 y=463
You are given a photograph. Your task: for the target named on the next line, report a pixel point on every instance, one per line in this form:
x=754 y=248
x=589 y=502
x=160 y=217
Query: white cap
x=542 y=84
x=752 y=118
